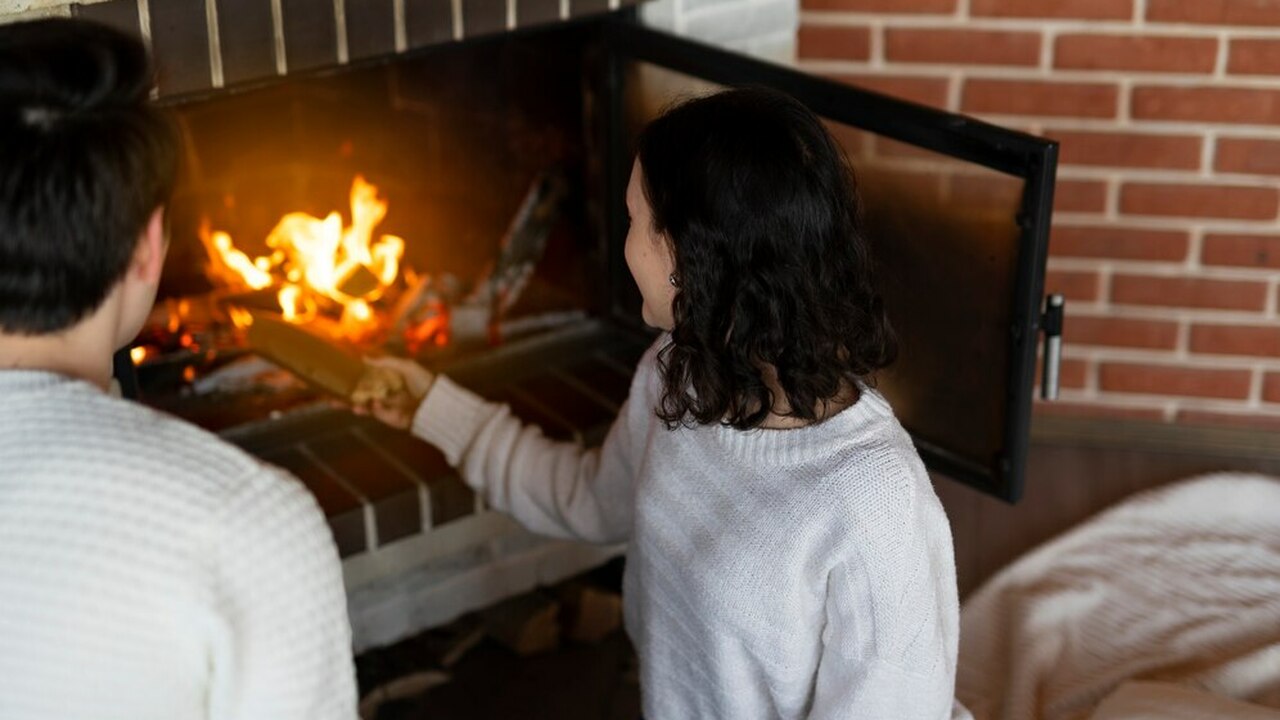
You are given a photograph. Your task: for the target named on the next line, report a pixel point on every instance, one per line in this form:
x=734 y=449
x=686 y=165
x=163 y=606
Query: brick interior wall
x=1166 y=239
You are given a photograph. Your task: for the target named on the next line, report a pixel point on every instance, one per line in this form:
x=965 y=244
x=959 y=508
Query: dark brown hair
x=85 y=158
x=760 y=207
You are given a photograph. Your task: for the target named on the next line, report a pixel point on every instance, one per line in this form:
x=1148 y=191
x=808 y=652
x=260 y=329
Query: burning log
x=421 y=317
x=519 y=252
x=358 y=281
x=310 y=356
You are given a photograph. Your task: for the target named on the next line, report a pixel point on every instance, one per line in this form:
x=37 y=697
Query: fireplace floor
x=576 y=681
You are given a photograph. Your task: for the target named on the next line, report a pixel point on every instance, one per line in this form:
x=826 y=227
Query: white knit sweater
x=770 y=574
x=149 y=571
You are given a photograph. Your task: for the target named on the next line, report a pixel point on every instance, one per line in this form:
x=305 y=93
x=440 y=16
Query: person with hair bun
x=148 y=570
x=787 y=555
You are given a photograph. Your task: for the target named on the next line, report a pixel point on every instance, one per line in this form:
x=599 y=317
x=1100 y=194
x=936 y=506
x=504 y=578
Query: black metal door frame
x=1033 y=159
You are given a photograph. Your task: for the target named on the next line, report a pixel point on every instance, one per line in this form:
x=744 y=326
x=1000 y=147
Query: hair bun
x=52 y=69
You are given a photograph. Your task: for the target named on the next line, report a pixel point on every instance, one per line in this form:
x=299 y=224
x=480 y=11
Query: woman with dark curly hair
x=788 y=557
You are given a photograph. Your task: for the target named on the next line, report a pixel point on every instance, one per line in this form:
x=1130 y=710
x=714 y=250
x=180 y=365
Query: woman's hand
x=391 y=390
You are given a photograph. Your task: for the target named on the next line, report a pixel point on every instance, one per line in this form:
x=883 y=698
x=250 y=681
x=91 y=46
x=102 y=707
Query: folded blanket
x=1179 y=584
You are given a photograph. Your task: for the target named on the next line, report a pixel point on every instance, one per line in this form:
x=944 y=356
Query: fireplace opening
x=435 y=207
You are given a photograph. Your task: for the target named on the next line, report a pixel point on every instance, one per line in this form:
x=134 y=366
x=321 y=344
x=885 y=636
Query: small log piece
x=527 y=624
x=590 y=613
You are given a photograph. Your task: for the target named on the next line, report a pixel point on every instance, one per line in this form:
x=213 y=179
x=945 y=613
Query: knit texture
x=149 y=570
x=1178 y=584
x=770 y=574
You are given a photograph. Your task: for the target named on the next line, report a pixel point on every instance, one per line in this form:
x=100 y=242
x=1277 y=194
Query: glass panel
x=944 y=234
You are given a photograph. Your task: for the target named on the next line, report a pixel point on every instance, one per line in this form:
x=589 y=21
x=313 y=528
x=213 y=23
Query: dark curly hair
x=760 y=208
x=85 y=158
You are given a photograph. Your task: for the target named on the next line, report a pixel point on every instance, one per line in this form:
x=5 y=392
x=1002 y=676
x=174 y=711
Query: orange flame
x=295 y=304
x=232 y=264
x=312 y=257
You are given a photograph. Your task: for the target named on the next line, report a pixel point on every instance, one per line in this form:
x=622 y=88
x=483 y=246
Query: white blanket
x=1179 y=584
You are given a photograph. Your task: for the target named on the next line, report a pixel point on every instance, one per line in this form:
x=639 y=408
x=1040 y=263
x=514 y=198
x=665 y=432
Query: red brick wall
x=1166 y=236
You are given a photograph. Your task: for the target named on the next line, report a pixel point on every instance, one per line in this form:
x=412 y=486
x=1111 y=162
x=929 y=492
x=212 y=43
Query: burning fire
x=315 y=261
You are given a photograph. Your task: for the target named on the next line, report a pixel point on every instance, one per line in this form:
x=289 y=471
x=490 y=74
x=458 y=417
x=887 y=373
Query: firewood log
x=527 y=624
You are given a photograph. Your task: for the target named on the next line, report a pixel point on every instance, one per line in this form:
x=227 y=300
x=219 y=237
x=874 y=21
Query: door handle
x=1051 y=323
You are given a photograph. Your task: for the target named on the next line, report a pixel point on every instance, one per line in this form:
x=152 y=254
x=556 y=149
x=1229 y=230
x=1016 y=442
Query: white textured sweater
x=149 y=571
x=770 y=574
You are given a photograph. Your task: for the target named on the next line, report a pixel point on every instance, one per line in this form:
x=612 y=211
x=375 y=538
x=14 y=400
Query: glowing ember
x=240 y=317
x=138 y=354
x=432 y=331
x=313 y=258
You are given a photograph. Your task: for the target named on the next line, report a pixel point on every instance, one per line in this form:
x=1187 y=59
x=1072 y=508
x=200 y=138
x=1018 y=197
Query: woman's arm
x=553 y=488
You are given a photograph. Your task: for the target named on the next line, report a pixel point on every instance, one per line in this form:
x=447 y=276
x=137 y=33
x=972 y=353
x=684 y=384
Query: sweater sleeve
x=283 y=650
x=559 y=489
x=889 y=640
x=855 y=680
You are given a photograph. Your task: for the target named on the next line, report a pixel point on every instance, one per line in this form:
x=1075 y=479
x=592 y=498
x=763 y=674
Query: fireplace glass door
x=958 y=215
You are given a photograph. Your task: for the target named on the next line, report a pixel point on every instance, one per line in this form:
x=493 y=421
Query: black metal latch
x=1051 y=324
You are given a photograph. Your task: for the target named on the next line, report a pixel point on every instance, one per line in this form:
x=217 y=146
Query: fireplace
x=462 y=204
